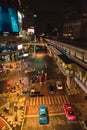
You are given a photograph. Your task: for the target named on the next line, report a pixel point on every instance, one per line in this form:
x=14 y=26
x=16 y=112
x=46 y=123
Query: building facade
x=75 y=25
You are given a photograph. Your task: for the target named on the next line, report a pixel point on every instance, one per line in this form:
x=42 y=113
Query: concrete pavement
x=13 y=104
x=15 y=116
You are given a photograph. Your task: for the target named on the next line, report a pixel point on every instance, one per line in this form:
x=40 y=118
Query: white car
x=59 y=85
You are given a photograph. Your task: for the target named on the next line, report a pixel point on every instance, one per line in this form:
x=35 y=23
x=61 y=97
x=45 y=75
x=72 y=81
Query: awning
x=65 y=59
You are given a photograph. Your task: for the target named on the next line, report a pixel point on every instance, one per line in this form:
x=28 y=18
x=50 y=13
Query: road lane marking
x=34 y=101
x=55 y=99
x=58 y=99
x=43 y=99
x=40 y=100
x=50 y=114
x=52 y=100
x=30 y=103
x=66 y=98
x=49 y=101
x=46 y=100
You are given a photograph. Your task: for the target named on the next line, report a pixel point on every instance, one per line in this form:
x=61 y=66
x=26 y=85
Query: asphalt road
x=54 y=102
x=57 y=122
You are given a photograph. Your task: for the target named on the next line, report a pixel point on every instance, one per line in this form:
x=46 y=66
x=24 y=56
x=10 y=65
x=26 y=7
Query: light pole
x=35 y=37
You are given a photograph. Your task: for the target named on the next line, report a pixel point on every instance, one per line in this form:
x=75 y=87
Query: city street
x=56 y=122
x=43 y=65
x=21 y=110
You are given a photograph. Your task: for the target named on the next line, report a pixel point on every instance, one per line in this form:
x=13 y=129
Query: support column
x=69 y=82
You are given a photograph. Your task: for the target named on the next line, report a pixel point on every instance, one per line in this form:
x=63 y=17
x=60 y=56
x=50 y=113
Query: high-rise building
x=75 y=25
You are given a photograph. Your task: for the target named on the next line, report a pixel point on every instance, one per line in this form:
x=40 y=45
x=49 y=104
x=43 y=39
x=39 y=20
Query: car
x=43 y=118
x=36 y=93
x=69 y=111
x=26 y=92
x=52 y=90
x=32 y=90
x=59 y=85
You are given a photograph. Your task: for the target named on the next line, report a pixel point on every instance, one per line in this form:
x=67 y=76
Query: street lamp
x=15 y=110
x=35 y=16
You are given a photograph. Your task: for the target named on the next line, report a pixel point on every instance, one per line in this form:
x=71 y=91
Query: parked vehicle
x=32 y=90
x=26 y=92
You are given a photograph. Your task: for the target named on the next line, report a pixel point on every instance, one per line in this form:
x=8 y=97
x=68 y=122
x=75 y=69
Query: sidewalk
x=13 y=112
x=13 y=105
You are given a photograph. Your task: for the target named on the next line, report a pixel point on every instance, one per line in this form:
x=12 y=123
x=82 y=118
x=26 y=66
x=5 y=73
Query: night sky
x=54 y=5
x=52 y=11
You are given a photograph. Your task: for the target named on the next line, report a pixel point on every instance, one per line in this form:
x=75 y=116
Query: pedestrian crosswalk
x=73 y=91
x=48 y=100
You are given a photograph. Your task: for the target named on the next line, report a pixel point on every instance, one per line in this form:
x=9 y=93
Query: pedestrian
x=15 y=84
x=20 y=81
x=40 y=83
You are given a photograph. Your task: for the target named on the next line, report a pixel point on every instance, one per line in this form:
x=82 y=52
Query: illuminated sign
x=20 y=47
x=31 y=30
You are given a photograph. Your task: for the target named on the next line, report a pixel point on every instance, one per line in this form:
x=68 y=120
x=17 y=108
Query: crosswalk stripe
x=40 y=100
x=58 y=99
x=33 y=101
x=49 y=101
x=30 y=102
x=55 y=99
x=46 y=100
x=67 y=100
x=63 y=97
x=52 y=101
x=59 y=108
x=37 y=101
x=43 y=101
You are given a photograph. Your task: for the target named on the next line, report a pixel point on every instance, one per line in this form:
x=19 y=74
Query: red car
x=69 y=111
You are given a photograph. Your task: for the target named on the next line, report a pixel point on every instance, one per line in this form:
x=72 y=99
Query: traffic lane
x=52 y=109
x=56 y=122
x=53 y=102
x=47 y=64
x=52 y=68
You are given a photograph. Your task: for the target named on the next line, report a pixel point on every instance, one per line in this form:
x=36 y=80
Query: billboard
x=8 y=20
x=31 y=30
